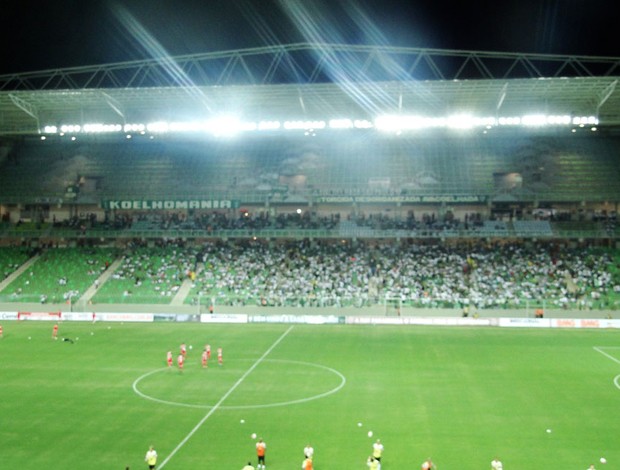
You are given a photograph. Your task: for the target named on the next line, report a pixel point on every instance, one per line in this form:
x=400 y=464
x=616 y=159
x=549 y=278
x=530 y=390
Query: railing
x=348 y=233
x=389 y=305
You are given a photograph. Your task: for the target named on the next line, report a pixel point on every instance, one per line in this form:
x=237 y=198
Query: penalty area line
x=609 y=356
x=224 y=397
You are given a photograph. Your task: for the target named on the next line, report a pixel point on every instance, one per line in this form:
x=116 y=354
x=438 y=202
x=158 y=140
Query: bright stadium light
x=70 y=128
x=191 y=126
x=534 y=120
x=395 y=123
x=388 y=123
x=134 y=127
x=460 y=121
x=362 y=124
x=93 y=128
x=560 y=120
x=269 y=125
x=585 y=120
x=223 y=126
x=248 y=126
x=304 y=125
x=392 y=123
x=340 y=123
x=509 y=121
x=157 y=127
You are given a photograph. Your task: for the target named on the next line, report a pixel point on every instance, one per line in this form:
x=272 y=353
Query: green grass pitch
x=459 y=395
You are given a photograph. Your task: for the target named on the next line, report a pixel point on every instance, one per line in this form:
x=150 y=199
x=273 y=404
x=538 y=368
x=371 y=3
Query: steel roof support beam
x=26 y=107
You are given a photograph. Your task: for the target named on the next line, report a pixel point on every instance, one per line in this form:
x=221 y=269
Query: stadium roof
x=313 y=81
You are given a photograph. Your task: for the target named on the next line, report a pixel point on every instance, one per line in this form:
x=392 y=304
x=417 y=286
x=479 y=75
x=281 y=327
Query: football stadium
x=407 y=247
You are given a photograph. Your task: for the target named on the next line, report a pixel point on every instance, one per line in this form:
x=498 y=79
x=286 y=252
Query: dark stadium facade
x=567 y=176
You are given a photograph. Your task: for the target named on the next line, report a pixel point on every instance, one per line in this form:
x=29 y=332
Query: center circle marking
x=343 y=381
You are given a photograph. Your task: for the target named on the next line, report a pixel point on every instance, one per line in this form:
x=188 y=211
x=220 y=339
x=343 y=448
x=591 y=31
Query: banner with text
x=403 y=199
x=165 y=204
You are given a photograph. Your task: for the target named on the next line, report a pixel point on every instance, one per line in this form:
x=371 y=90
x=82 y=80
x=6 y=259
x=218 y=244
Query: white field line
x=600 y=349
x=343 y=381
x=224 y=397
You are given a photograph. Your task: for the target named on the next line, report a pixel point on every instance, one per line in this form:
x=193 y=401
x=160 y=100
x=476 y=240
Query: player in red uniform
x=205 y=359
x=220 y=358
x=208 y=349
x=180 y=362
x=169 y=358
x=183 y=349
x=1 y=333
x=55 y=331
x=261 y=447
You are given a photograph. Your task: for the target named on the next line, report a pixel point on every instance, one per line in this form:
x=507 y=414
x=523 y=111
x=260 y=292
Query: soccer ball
x=369 y=433
x=253 y=435
x=191 y=347
x=242 y=421
x=603 y=460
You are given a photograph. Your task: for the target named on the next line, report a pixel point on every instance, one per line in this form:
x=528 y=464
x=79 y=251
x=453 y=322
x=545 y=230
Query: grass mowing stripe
x=217 y=405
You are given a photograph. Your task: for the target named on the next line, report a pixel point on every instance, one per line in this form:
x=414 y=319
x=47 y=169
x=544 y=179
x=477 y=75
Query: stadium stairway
x=185 y=288
x=14 y=275
x=90 y=292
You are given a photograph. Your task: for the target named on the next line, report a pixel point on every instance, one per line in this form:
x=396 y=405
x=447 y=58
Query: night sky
x=44 y=34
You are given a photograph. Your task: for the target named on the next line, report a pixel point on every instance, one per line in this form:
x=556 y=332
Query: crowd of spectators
x=426 y=221
x=306 y=273
x=157 y=270
x=409 y=223
x=325 y=273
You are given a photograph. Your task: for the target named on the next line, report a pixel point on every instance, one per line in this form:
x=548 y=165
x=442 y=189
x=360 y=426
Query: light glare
x=230 y=125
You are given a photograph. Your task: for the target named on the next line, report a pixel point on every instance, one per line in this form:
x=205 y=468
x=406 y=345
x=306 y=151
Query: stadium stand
x=448 y=216
x=568 y=169
x=322 y=274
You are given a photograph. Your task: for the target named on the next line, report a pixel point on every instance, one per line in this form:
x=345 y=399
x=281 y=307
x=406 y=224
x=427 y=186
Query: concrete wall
x=256 y=310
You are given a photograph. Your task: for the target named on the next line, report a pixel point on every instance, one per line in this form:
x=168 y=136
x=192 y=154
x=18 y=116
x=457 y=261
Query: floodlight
x=191 y=126
x=133 y=127
x=534 y=120
x=460 y=121
x=362 y=124
x=96 y=127
x=70 y=129
x=582 y=120
x=159 y=126
x=247 y=126
x=388 y=123
x=223 y=125
x=340 y=123
x=268 y=125
x=509 y=121
x=304 y=125
x=558 y=120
